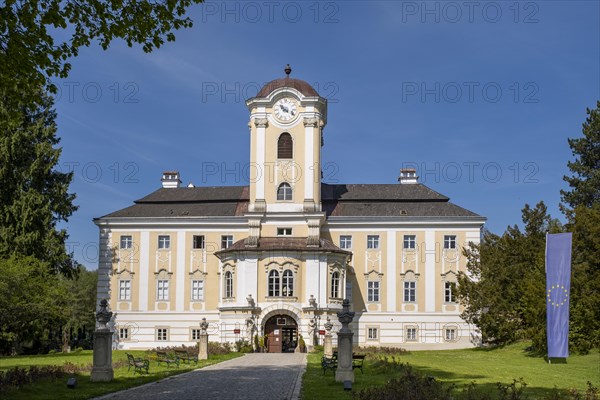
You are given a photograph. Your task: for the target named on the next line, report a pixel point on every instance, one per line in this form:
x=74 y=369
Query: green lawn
x=461 y=367
x=85 y=389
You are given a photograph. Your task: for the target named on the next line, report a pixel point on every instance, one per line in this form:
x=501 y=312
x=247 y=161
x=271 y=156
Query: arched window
x=284 y=191
x=288 y=283
x=335 y=285
x=274 y=283
x=285 y=146
x=228 y=284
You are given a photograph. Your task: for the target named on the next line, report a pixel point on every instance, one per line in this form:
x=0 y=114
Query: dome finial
x=288 y=70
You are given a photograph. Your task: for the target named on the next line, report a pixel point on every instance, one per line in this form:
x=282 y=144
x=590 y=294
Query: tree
x=585 y=170
x=34 y=195
x=581 y=205
x=29 y=300
x=504 y=288
x=31 y=32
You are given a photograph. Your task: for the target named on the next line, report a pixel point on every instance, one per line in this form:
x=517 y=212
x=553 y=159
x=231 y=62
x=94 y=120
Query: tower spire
x=288 y=70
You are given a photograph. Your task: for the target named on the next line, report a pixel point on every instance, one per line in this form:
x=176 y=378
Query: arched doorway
x=281 y=332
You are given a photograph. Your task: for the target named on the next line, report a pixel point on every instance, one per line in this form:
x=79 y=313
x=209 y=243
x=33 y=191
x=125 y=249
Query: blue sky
x=479 y=96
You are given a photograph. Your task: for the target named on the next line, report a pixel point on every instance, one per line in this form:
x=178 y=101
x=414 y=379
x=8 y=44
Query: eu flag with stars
x=558 y=283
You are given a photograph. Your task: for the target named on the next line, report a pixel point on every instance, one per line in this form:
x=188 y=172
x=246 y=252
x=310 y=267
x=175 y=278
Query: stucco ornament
x=328 y=325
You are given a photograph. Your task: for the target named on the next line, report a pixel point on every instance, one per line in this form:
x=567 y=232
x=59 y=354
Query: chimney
x=408 y=176
x=170 y=179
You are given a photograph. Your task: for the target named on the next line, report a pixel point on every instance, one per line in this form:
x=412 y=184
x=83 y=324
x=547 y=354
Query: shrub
x=243 y=346
x=408 y=386
x=18 y=377
x=218 y=348
x=317 y=348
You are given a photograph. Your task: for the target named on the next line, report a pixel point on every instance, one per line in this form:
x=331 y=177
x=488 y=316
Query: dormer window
x=285 y=146
x=284 y=231
x=284 y=191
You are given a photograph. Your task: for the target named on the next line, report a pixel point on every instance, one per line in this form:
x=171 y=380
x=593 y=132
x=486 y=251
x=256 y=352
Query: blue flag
x=558 y=285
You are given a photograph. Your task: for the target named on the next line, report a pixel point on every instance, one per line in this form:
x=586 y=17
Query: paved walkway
x=251 y=377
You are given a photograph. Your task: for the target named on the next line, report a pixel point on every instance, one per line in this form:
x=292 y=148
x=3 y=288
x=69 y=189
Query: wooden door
x=274 y=339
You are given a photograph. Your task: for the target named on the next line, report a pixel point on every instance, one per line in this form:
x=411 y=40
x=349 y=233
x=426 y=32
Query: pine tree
x=585 y=178
x=34 y=196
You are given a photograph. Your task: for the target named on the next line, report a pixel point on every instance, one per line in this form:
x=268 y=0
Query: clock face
x=285 y=109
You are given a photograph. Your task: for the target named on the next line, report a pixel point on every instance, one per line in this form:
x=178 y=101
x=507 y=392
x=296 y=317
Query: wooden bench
x=186 y=357
x=358 y=361
x=139 y=364
x=164 y=357
x=328 y=363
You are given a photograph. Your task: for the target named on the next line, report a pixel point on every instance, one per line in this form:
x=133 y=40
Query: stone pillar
x=102 y=370
x=344 y=370
x=203 y=342
x=328 y=340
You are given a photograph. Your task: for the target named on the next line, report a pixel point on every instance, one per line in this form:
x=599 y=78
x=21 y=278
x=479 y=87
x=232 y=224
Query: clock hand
x=284 y=108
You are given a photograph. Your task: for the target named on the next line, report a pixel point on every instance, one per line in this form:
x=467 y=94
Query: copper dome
x=302 y=86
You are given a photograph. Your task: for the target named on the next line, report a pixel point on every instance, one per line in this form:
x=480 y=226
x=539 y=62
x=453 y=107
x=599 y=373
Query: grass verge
x=57 y=389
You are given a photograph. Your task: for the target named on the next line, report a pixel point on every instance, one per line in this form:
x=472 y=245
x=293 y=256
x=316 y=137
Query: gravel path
x=251 y=377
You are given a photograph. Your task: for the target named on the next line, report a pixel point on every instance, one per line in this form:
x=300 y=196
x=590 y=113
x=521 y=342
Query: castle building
x=277 y=257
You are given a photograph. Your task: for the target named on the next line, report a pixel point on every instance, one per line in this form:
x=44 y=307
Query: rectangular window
x=123 y=333
x=198 y=242
x=126 y=242
x=125 y=290
x=411 y=334
x=410 y=292
x=410 y=241
x=450 y=292
x=195 y=334
x=373 y=291
x=162 y=290
x=198 y=290
x=372 y=241
x=450 y=241
x=284 y=231
x=162 y=334
x=450 y=335
x=372 y=333
x=345 y=242
x=164 y=241
x=226 y=241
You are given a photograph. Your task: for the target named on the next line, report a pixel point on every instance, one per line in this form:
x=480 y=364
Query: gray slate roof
x=370 y=200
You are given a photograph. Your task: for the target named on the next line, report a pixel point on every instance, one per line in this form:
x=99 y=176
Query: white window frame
x=335 y=285
x=197 y=290
x=410 y=291
x=373 y=291
x=410 y=242
x=372 y=242
x=411 y=334
x=164 y=242
x=226 y=241
x=450 y=335
x=345 y=241
x=202 y=242
x=126 y=242
x=228 y=285
x=124 y=289
x=450 y=292
x=449 y=241
x=162 y=290
x=285 y=192
x=195 y=333
x=349 y=289
x=372 y=333
x=287 y=283
x=162 y=334
x=123 y=333
x=284 y=231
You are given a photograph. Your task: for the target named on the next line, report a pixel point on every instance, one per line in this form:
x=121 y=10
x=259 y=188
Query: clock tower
x=287 y=118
